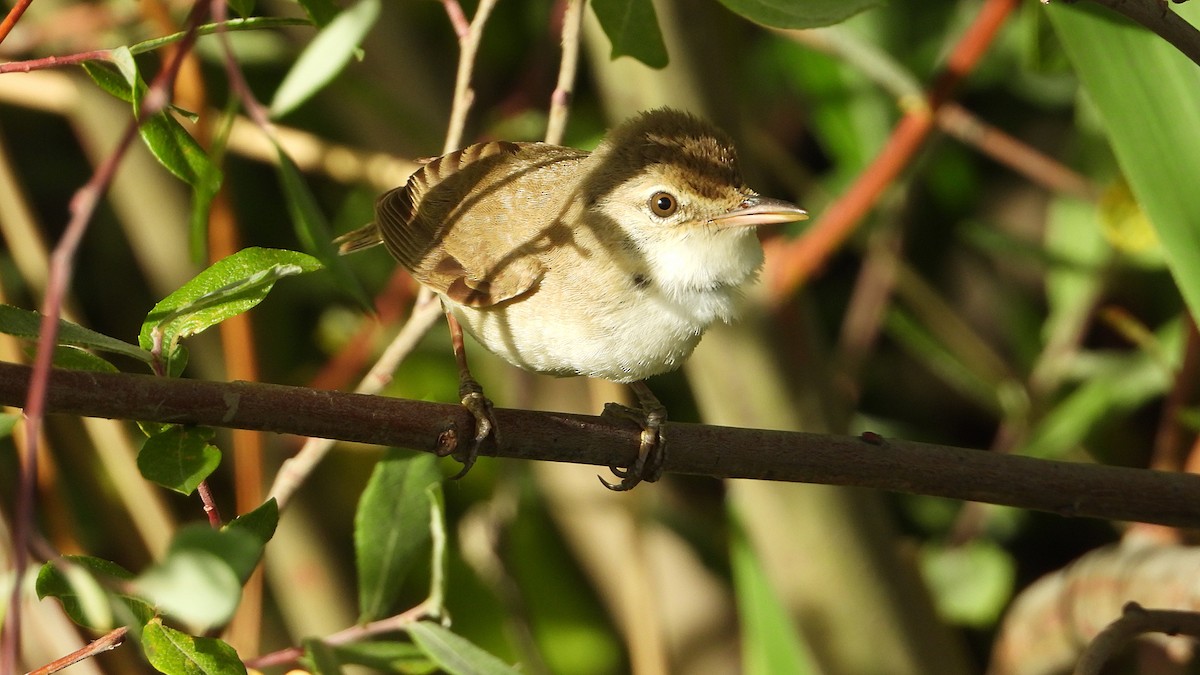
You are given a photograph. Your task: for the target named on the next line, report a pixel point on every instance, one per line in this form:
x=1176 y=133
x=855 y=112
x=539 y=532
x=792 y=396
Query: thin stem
x=13 y=16
x=560 y=100
x=252 y=23
x=55 y=61
x=1135 y=620
x=82 y=206
x=426 y=309
x=296 y=470
x=107 y=642
x=210 y=505
x=798 y=260
x=352 y=634
x=468 y=44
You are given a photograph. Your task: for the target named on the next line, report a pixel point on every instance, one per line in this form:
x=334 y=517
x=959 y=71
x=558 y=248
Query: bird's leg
x=652 y=452
x=471 y=395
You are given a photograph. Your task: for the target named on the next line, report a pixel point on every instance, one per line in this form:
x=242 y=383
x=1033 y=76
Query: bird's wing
x=467 y=224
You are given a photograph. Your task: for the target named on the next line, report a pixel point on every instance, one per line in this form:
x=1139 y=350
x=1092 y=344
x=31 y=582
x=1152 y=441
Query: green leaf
x=229 y=287
x=259 y=523
x=178 y=458
x=243 y=8
x=176 y=150
x=453 y=653
x=199 y=581
x=73 y=358
x=770 y=641
x=1148 y=97
x=177 y=653
x=325 y=56
x=79 y=582
x=312 y=229
x=391 y=527
x=8 y=422
x=166 y=138
x=320 y=658
x=793 y=14
x=387 y=657
x=972 y=583
x=320 y=11
x=109 y=79
x=26 y=324
x=632 y=28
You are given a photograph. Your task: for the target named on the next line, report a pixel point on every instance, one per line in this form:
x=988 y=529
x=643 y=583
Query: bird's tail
x=357 y=240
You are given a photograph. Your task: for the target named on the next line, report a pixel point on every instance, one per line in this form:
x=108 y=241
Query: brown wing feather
x=464 y=222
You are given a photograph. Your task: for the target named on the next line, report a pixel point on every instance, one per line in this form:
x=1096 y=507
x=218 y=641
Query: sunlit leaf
x=454 y=653
x=1148 y=96
x=177 y=653
x=632 y=28
x=391 y=527
x=229 y=287
x=325 y=56
x=179 y=458
x=799 y=14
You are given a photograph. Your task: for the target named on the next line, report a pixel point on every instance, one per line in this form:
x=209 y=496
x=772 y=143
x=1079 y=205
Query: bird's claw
x=485 y=427
x=651 y=452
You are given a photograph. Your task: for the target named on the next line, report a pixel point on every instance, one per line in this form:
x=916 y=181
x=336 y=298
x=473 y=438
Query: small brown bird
x=609 y=264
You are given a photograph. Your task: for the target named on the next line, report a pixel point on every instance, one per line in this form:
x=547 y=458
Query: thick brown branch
x=1069 y=489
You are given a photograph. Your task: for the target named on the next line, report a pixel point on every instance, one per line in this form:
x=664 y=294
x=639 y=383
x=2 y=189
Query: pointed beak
x=757 y=211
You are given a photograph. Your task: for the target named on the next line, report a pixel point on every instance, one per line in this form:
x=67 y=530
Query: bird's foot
x=480 y=408
x=652 y=450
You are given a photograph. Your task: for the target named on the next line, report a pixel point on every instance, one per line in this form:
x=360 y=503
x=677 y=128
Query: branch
x=1068 y=489
x=799 y=259
x=105 y=643
x=1135 y=620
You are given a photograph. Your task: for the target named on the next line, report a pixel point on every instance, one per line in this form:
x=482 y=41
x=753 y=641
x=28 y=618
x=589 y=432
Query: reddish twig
x=82 y=206
x=14 y=15
x=210 y=505
x=1013 y=153
x=391 y=624
x=107 y=642
x=55 y=61
x=796 y=261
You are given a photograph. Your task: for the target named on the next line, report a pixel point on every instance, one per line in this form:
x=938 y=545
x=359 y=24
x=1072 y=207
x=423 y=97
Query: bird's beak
x=757 y=211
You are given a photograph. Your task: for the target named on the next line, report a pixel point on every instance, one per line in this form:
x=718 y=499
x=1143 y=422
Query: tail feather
x=357 y=240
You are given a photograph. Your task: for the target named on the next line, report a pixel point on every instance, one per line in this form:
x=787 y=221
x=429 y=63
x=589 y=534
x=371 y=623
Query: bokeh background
x=1005 y=292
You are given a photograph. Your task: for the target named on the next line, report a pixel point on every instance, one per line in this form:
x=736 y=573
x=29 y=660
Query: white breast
x=596 y=321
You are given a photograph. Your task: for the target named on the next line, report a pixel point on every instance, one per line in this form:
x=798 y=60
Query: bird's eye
x=663 y=204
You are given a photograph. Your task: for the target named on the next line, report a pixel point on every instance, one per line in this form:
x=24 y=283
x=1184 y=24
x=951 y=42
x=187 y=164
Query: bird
x=608 y=264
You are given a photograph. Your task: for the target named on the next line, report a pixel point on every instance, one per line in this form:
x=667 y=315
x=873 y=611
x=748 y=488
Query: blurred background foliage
x=982 y=304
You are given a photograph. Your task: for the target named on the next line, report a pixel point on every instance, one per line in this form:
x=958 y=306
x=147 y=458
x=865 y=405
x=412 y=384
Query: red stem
x=799 y=259
x=82 y=206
